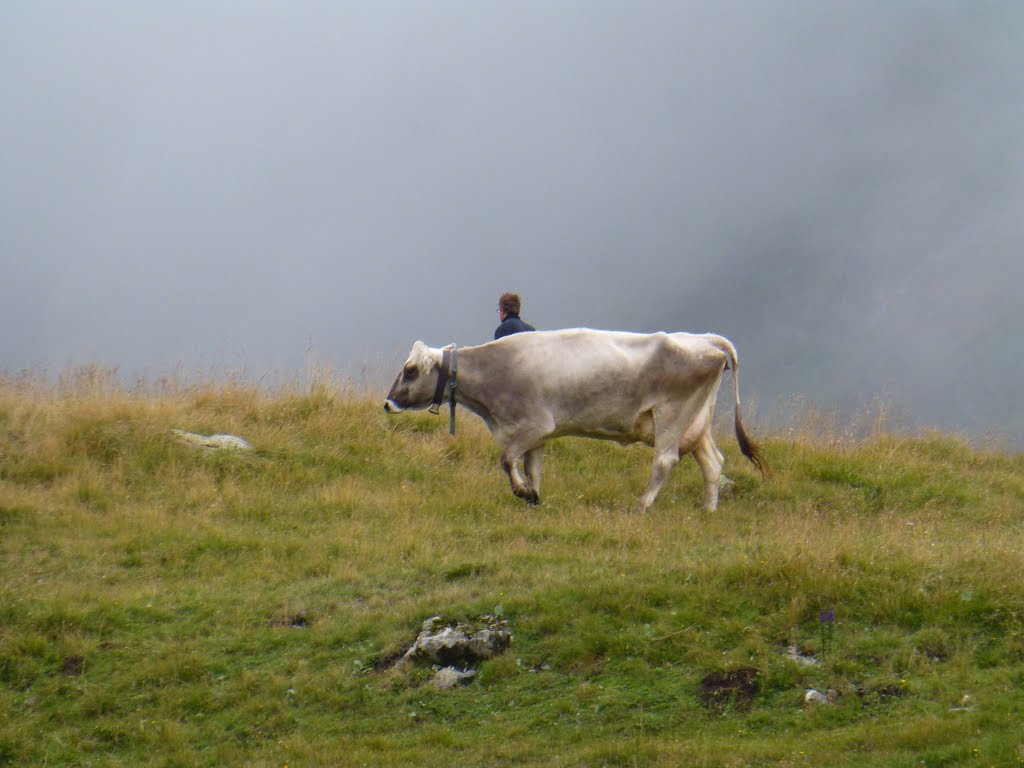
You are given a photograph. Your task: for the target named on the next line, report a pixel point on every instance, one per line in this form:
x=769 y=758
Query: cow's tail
x=748 y=447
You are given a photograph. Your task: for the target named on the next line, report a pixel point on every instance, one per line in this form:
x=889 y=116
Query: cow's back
x=574 y=356
x=597 y=383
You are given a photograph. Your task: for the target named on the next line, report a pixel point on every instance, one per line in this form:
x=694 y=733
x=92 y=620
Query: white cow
x=658 y=389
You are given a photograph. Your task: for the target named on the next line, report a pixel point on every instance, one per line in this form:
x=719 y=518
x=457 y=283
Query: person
x=508 y=310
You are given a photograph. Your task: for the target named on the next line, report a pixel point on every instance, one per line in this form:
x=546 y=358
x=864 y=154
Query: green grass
x=160 y=606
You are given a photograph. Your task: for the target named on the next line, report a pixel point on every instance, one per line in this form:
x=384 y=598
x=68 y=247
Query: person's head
x=509 y=304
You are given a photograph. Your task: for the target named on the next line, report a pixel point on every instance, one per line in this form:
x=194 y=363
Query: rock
x=212 y=442
x=966 y=704
x=793 y=654
x=814 y=696
x=460 y=645
x=450 y=677
x=488 y=643
x=448 y=646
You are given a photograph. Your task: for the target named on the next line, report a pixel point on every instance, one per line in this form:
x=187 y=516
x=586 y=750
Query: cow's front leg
x=522 y=489
x=533 y=460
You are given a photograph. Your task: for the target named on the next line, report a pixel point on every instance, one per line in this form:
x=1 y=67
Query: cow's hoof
x=529 y=495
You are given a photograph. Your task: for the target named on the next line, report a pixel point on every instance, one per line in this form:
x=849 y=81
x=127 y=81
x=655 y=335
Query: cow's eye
x=410 y=373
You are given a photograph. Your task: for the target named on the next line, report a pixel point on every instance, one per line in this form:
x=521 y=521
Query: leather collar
x=447 y=381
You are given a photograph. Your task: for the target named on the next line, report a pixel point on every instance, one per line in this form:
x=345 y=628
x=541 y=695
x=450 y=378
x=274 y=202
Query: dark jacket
x=512 y=324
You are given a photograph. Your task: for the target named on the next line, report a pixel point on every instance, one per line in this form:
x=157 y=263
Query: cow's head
x=414 y=388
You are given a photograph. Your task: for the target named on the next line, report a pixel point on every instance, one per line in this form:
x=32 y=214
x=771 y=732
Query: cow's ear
x=421 y=353
x=449 y=346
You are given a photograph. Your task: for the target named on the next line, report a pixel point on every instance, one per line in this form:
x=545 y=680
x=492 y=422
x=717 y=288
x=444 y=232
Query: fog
x=198 y=187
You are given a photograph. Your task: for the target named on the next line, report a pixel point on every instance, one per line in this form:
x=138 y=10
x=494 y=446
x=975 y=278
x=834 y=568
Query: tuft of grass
x=165 y=606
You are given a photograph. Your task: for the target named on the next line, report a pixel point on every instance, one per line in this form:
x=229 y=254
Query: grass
x=162 y=606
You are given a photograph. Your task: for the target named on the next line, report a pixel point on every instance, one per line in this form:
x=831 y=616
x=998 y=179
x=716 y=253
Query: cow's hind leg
x=710 y=460
x=664 y=461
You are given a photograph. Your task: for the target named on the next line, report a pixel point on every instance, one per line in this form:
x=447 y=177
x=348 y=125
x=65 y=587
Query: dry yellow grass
x=175 y=576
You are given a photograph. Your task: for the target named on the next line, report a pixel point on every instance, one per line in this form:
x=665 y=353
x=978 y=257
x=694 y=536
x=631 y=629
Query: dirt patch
x=737 y=687
x=880 y=695
x=73 y=666
x=387 y=662
x=299 y=620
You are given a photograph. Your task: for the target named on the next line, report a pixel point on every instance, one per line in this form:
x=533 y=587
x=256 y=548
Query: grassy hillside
x=164 y=606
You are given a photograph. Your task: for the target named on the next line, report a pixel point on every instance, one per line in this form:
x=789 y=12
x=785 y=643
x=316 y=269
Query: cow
x=658 y=389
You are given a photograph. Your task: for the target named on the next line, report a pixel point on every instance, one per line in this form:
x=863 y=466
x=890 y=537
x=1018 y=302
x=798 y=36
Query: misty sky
x=215 y=186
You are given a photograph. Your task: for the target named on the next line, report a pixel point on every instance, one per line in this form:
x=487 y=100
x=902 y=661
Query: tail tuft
x=749 y=448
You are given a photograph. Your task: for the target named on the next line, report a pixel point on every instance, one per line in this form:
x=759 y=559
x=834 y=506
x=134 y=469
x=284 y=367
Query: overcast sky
x=213 y=186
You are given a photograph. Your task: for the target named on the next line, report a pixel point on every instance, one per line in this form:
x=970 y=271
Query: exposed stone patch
x=814 y=696
x=455 y=648
x=793 y=654
x=450 y=677
x=460 y=645
x=212 y=442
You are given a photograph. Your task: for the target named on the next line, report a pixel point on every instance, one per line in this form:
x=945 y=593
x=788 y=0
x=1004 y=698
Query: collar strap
x=446 y=384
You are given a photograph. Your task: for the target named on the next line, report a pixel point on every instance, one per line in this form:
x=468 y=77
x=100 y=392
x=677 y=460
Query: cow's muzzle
x=390 y=406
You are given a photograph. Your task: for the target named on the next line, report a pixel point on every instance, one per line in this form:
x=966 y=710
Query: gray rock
x=461 y=645
x=450 y=677
x=212 y=442
x=814 y=696
x=488 y=643
x=793 y=654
